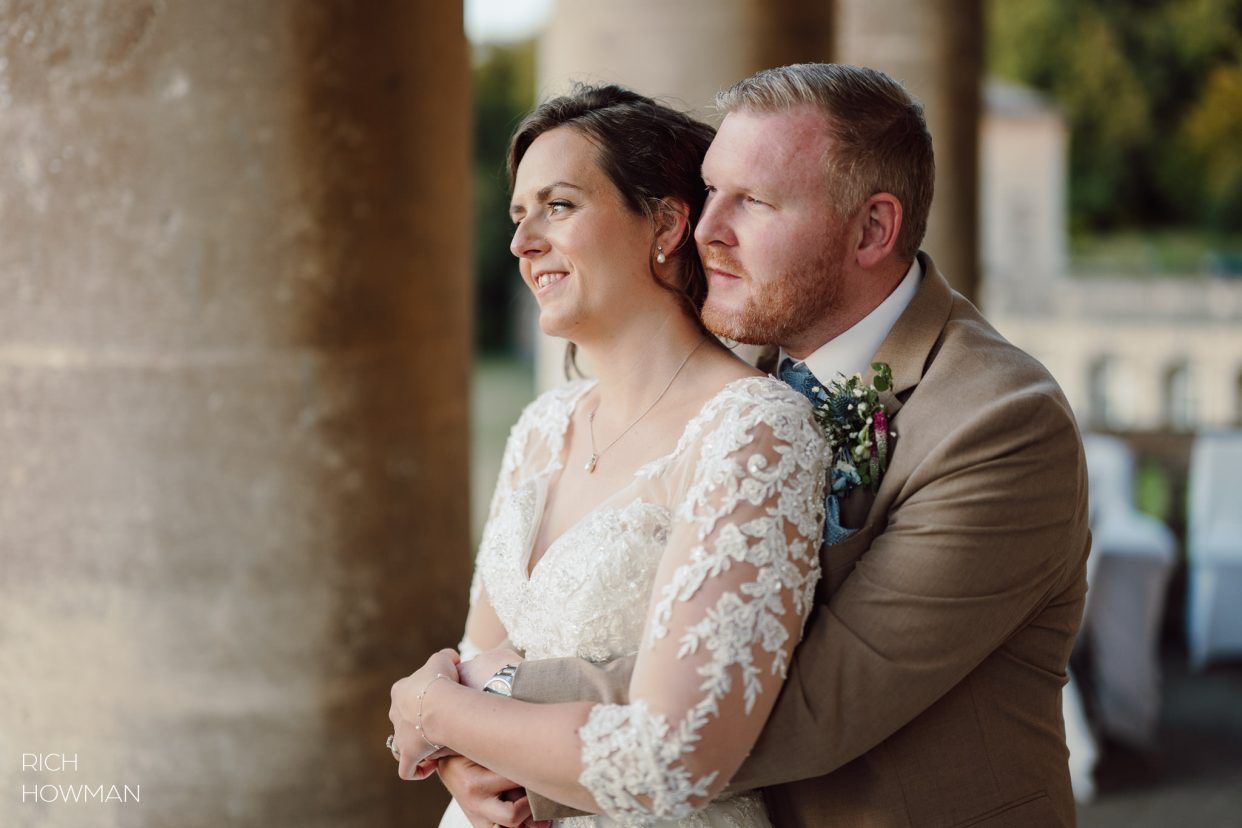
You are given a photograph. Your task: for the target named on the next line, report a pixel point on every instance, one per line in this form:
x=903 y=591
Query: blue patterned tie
x=798 y=377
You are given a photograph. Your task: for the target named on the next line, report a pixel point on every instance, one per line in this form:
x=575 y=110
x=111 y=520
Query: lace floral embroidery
x=632 y=762
x=748 y=497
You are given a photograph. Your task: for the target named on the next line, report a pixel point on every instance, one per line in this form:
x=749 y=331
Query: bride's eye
x=558 y=206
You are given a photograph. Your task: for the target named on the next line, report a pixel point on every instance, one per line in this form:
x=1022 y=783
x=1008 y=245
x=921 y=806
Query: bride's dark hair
x=650 y=152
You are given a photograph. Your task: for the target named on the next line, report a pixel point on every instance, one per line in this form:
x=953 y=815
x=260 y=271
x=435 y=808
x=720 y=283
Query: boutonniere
x=856 y=425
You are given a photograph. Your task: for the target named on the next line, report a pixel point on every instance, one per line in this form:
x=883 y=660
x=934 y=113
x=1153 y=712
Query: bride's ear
x=672 y=225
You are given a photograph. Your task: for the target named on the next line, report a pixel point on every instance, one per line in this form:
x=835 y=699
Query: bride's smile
x=582 y=251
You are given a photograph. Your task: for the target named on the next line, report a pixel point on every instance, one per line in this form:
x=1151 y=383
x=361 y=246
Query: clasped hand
x=416 y=756
x=486 y=797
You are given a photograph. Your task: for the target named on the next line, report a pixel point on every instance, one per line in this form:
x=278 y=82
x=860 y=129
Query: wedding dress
x=705 y=564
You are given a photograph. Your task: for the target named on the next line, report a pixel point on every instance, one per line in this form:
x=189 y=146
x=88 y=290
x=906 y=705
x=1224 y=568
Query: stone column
x=935 y=48
x=681 y=52
x=233 y=391
x=684 y=51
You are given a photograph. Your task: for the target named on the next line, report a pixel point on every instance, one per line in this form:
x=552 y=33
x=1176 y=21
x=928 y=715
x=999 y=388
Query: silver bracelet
x=418 y=725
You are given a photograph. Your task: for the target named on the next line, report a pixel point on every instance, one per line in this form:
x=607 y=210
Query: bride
x=671 y=507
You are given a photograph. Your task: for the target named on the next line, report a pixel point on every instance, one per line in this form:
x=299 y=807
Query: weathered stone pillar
x=935 y=48
x=682 y=52
x=233 y=495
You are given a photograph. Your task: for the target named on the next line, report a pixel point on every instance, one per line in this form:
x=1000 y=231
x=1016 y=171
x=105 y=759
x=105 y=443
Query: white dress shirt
x=851 y=351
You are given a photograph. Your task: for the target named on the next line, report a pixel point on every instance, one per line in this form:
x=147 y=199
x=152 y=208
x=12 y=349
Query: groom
x=927 y=687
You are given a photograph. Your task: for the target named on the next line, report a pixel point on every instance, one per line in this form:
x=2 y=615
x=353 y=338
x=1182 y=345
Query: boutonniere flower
x=856 y=425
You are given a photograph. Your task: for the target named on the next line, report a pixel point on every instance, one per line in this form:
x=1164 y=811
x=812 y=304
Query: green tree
x=1211 y=137
x=1148 y=88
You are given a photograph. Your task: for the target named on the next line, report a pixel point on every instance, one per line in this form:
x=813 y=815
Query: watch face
x=499 y=686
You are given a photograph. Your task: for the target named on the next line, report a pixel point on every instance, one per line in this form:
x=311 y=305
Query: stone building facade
x=1133 y=352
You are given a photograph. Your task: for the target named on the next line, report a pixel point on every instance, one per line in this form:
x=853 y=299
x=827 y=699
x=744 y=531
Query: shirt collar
x=851 y=351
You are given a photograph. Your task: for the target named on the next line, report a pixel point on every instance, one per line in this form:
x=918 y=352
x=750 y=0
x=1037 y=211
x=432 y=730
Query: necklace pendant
x=590 y=464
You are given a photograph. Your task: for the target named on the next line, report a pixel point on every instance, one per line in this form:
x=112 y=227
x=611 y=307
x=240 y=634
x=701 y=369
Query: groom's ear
x=880 y=218
x=672 y=224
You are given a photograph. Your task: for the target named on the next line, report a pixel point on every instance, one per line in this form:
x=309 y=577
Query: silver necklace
x=595 y=455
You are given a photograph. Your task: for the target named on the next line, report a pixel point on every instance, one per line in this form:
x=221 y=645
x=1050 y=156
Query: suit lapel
x=909 y=344
x=907 y=349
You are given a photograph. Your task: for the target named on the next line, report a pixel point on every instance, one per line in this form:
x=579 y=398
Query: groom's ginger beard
x=782 y=308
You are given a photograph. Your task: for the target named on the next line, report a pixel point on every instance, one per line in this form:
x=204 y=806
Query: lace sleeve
x=525 y=445
x=481 y=620
x=467 y=648
x=732 y=593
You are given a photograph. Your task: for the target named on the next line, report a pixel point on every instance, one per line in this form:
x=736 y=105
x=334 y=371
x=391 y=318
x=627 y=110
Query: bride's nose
x=527 y=244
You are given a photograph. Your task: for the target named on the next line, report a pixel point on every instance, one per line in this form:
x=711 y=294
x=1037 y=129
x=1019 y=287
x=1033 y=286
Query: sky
x=505 y=20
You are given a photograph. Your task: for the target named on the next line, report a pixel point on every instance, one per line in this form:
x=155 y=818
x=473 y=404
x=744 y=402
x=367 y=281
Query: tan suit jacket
x=927 y=688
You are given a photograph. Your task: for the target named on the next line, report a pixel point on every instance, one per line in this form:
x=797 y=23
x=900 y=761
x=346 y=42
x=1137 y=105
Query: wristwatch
x=501 y=684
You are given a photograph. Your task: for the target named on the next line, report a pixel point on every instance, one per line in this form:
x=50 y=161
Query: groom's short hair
x=880 y=139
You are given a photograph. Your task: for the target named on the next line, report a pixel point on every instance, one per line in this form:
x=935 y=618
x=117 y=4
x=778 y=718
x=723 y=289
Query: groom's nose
x=714 y=225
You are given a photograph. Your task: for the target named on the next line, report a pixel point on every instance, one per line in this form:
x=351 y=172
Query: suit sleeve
x=558 y=680
x=975 y=545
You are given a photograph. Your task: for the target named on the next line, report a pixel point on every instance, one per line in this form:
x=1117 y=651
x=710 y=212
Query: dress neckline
x=542 y=481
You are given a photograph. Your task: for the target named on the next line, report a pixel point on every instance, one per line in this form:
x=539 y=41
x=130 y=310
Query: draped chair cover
x=1214 y=548
x=1133 y=556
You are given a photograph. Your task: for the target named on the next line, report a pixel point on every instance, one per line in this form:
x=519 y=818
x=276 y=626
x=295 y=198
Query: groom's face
x=771 y=240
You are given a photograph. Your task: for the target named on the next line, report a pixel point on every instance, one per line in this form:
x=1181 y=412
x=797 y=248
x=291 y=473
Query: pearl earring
x=660 y=257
